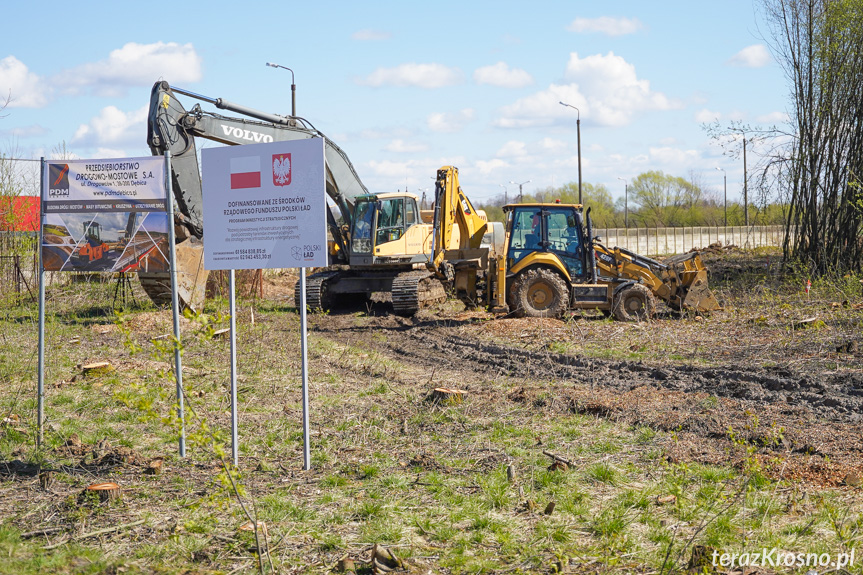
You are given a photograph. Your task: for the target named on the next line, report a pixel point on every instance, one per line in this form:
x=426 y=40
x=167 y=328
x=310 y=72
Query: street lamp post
x=625 y=202
x=519 y=188
x=293 y=87
x=505 y=196
x=725 y=187
x=578 y=131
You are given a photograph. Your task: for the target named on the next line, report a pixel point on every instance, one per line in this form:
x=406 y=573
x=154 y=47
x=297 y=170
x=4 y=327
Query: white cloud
x=667 y=156
x=24 y=88
x=488 y=167
x=113 y=127
x=605 y=89
x=369 y=35
x=606 y=25
x=772 y=118
x=512 y=149
x=31 y=131
x=419 y=75
x=389 y=169
x=134 y=65
x=450 y=122
x=755 y=56
x=502 y=75
x=400 y=146
x=552 y=145
x=705 y=116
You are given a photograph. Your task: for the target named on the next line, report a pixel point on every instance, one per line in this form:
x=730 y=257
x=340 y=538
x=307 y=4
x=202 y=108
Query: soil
x=748 y=376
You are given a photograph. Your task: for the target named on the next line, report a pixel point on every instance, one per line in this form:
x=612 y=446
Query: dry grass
x=449 y=489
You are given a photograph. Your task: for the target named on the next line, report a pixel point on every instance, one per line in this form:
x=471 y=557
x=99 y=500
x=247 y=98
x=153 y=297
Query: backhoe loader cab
x=551 y=230
x=547 y=266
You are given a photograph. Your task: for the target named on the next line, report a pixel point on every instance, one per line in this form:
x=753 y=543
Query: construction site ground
x=562 y=445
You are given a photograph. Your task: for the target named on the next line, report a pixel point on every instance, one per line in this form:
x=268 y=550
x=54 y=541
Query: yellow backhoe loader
x=548 y=262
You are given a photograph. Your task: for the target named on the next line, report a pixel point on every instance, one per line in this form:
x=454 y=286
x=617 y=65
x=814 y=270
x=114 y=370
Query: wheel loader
x=548 y=263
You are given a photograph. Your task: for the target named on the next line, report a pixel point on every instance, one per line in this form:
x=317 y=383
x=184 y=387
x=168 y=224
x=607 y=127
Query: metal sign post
x=175 y=304
x=40 y=400
x=232 y=290
x=304 y=334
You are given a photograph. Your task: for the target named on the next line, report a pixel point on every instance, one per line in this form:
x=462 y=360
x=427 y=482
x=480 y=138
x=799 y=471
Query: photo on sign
x=105 y=242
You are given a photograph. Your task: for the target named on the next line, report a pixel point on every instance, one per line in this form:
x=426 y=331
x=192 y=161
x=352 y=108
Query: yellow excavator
x=548 y=262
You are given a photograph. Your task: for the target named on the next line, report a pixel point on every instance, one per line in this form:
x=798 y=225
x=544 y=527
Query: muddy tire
x=634 y=303
x=539 y=293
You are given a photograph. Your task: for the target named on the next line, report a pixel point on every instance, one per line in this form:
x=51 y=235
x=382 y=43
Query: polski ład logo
x=282 y=169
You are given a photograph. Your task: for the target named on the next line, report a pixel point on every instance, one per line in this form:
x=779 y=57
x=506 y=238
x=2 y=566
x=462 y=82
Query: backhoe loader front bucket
x=694 y=292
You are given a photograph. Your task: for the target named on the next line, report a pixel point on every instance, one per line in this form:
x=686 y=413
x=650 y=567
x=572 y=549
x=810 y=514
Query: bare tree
x=819 y=44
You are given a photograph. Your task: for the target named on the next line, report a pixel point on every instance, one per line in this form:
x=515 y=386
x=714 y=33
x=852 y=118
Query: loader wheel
x=634 y=303
x=539 y=293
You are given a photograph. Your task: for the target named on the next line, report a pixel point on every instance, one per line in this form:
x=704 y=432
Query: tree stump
x=154 y=467
x=96 y=368
x=108 y=491
x=46 y=479
x=447 y=396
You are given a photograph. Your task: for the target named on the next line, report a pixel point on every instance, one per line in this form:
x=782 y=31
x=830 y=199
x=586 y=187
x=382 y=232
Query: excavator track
x=414 y=290
x=316 y=291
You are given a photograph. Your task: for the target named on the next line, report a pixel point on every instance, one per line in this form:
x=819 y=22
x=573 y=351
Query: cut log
x=108 y=491
x=447 y=396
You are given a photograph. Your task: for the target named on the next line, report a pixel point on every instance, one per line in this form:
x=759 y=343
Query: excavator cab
x=387 y=227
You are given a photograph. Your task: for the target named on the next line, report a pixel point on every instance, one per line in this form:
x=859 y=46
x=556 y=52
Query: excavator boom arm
x=171 y=127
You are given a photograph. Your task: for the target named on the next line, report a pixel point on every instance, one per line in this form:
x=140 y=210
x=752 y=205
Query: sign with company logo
x=105 y=215
x=265 y=205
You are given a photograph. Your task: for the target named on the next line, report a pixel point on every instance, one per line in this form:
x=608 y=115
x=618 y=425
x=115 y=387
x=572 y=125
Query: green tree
x=660 y=199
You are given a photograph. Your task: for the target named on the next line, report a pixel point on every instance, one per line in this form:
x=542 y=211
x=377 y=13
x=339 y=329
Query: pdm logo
x=281 y=169
x=58 y=180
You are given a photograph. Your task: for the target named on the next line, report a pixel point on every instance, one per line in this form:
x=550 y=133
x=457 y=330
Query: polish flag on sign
x=245 y=172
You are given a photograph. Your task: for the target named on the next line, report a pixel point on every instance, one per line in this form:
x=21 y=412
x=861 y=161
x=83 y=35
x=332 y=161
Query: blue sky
x=405 y=88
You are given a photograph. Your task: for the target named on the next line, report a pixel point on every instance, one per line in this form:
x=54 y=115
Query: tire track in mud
x=833 y=396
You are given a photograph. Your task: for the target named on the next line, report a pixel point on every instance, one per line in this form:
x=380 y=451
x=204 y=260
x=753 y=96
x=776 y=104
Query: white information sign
x=265 y=205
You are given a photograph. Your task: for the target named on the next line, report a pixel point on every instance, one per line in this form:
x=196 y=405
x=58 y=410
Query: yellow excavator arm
x=457 y=224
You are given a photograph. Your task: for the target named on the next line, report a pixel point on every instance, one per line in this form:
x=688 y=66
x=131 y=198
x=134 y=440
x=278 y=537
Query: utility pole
x=505 y=198
x=519 y=188
x=625 y=202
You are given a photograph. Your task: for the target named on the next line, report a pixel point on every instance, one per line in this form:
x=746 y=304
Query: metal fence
x=669 y=241
x=18 y=265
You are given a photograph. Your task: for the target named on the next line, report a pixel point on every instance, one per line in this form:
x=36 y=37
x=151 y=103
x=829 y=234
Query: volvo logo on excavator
x=249 y=135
